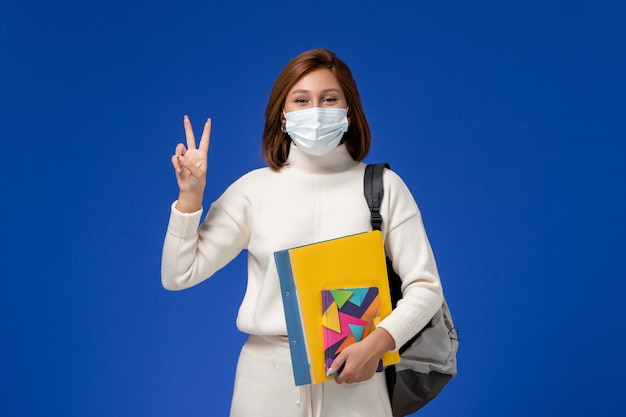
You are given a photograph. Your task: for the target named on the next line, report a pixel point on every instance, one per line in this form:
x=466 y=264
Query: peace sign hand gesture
x=190 y=165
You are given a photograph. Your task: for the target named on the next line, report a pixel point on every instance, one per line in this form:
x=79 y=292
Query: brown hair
x=276 y=144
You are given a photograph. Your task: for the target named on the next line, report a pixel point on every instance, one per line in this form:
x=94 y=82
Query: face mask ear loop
x=283 y=128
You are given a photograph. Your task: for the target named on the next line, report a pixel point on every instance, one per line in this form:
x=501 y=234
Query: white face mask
x=318 y=130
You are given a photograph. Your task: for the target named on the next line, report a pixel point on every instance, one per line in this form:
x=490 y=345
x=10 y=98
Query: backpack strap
x=373 y=190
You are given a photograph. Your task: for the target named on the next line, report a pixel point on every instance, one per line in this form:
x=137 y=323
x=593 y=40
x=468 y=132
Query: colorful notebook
x=348 y=317
x=305 y=272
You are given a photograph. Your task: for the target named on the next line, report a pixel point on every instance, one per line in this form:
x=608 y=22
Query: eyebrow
x=328 y=90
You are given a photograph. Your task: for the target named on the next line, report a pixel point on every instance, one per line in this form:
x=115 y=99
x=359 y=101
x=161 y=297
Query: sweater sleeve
x=408 y=247
x=193 y=253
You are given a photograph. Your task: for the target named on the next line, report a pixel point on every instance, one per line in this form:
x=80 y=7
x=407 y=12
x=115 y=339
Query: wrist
x=188 y=203
x=382 y=341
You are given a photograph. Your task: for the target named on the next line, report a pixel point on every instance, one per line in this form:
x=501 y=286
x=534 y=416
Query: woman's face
x=319 y=88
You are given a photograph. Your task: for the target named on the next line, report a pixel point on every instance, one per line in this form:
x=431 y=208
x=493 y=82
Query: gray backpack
x=428 y=360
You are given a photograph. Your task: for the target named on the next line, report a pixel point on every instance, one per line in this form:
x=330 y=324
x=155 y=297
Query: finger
x=176 y=163
x=206 y=136
x=337 y=365
x=194 y=169
x=180 y=150
x=191 y=140
x=342 y=378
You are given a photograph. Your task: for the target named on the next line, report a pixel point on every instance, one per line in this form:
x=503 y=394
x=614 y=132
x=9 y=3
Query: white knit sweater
x=310 y=200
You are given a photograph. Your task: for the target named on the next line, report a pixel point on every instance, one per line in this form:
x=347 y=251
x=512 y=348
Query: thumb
x=193 y=168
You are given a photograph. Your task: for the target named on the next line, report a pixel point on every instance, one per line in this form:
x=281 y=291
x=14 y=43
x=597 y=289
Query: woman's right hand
x=190 y=165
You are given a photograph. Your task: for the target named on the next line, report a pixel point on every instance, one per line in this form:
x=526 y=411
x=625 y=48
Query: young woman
x=315 y=137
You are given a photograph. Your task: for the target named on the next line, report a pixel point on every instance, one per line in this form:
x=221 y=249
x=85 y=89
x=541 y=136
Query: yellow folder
x=305 y=272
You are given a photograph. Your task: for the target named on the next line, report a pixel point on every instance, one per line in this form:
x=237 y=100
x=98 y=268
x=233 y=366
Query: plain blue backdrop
x=506 y=120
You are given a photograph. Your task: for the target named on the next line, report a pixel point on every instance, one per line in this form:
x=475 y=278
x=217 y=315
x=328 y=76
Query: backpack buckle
x=377 y=221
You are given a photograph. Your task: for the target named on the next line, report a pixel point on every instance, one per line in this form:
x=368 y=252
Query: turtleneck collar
x=336 y=160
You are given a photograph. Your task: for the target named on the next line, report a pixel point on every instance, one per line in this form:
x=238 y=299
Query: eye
x=330 y=100
x=300 y=100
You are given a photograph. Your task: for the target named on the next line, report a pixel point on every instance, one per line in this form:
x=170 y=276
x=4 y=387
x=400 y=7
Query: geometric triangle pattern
x=358 y=295
x=330 y=318
x=357 y=331
x=341 y=296
x=348 y=316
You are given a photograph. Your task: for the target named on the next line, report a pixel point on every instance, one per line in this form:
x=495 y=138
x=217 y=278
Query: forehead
x=317 y=80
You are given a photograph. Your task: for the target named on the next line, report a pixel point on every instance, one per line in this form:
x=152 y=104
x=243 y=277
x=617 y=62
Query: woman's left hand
x=361 y=359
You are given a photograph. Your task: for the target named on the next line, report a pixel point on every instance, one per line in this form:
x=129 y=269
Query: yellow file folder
x=305 y=272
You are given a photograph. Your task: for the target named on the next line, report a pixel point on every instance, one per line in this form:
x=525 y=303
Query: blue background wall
x=506 y=119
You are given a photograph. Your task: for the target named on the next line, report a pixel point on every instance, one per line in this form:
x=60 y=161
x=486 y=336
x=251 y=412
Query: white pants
x=264 y=387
